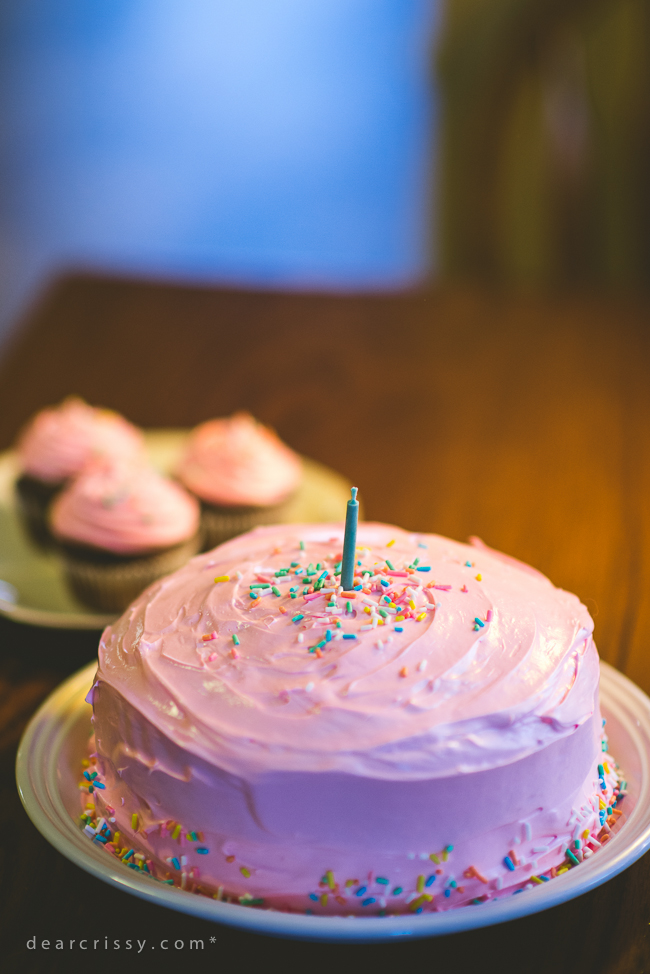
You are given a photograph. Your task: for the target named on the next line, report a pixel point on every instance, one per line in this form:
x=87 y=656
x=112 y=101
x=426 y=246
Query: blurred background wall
x=327 y=144
x=263 y=142
x=545 y=142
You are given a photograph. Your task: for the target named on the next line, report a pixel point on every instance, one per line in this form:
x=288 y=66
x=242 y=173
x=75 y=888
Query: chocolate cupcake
x=242 y=474
x=121 y=527
x=57 y=444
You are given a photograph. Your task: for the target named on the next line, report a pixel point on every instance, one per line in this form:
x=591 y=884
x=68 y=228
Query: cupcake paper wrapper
x=112 y=585
x=33 y=499
x=219 y=524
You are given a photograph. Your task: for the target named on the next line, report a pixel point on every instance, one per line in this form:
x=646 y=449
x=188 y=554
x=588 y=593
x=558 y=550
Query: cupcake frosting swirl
x=237 y=461
x=60 y=441
x=124 y=508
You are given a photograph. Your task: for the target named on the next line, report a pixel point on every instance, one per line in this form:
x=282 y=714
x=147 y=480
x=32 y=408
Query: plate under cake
x=56 y=742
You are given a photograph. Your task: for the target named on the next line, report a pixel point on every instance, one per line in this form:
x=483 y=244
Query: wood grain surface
x=525 y=422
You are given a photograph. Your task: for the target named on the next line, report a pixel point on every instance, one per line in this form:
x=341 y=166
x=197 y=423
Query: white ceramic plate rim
x=624 y=704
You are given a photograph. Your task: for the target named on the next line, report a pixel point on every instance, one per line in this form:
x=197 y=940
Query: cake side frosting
x=125 y=508
x=394 y=691
x=343 y=842
x=60 y=441
x=239 y=462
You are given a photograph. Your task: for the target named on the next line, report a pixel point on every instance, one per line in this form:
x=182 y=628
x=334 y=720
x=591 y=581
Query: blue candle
x=350 y=542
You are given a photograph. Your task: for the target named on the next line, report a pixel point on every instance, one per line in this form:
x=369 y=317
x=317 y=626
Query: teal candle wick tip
x=354 y=491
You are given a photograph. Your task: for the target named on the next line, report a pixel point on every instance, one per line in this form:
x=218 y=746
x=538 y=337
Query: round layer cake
x=430 y=739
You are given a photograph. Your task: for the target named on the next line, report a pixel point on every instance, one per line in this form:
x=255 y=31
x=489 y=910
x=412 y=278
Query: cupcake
x=242 y=474
x=58 y=444
x=121 y=526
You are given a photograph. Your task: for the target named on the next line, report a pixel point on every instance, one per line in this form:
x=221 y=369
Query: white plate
x=47 y=771
x=32 y=581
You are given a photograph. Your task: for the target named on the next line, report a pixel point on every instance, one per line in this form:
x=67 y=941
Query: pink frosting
x=287 y=830
x=366 y=756
x=237 y=461
x=124 y=508
x=471 y=699
x=59 y=442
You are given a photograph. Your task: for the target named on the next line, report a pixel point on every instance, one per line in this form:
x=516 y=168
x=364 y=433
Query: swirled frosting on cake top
x=447 y=658
x=239 y=462
x=124 y=508
x=59 y=442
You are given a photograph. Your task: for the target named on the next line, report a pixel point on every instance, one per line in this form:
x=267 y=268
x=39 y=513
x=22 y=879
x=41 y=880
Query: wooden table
x=525 y=422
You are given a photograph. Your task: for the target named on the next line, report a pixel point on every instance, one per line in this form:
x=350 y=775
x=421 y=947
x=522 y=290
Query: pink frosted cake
x=428 y=740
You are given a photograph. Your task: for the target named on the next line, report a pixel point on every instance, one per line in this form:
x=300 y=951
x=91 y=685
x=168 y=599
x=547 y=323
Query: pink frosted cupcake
x=121 y=527
x=58 y=444
x=241 y=472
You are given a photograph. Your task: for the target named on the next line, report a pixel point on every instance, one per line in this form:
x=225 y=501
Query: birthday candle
x=350 y=542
